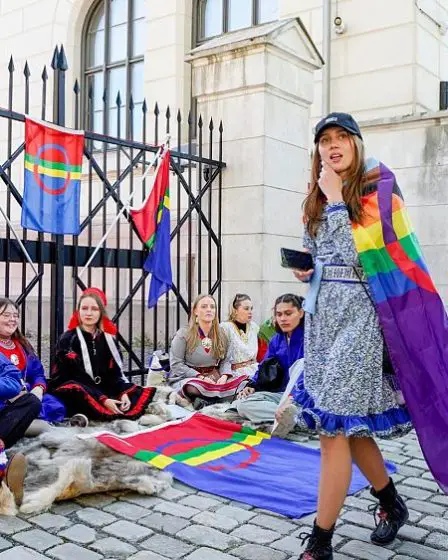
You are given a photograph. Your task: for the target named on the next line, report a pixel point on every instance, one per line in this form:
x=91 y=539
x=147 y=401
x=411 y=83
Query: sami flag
x=152 y=221
x=53 y=165
x=233 y=461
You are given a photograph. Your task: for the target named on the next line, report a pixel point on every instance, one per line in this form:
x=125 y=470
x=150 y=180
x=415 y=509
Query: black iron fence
x=113 y=167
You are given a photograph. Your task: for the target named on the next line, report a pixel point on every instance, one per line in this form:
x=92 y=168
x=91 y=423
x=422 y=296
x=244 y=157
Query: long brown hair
x=314 y=203
x=17 y=334
x=217 y=336
x=99 y=302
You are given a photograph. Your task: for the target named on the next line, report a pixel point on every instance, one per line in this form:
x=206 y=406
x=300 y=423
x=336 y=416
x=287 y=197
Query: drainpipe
x=326 y=47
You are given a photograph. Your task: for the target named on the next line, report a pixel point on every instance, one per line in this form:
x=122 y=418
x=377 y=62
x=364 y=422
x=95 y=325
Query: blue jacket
x=286 y=353
x=10 y=379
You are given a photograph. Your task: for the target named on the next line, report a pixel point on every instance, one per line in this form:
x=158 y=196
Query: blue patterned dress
x=343 y=389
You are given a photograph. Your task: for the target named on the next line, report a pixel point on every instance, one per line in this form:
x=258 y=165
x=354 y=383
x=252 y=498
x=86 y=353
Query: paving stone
x=147 y=555
x=96 y=500
x=220 y=522
x=414 y=493
x=406 y=470
x=79 y=533
x=209 y=554
x=173 y=494
x=306 y=520
x=95 y=517
x=165 y=523
x=240 y=505
x=397 y=458
x=10 y=525
x=257 y=552
x=174 y=509
x=435 y=523
x=233 y=512
x=148 y=502
x=411 y=533
x=21 y=553
x=37 y=539
x=437 y=540
x=187 y=489
x=419 y=551
x=426 y=507
x=200 y=502
x=72 y=552
x=65 y=508
x=255 y=534
x=358 y=518
x=171 y=548
x=280 y=525
x=51 y=521
x=357 y=503
x=366 y=551
x=418 y=463
x=217 y=498
x=442 y=500
x=422 y=483
x=206 y=536
x=126 y=510
x=127 y=530
x=288 y=544
x=111 y=545
x=4 y=544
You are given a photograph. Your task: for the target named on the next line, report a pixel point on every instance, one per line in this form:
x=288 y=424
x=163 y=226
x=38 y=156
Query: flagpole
x=19 y=241
x=159 y=154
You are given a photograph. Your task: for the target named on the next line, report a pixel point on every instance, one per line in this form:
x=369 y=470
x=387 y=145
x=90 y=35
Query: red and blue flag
x=53 y=166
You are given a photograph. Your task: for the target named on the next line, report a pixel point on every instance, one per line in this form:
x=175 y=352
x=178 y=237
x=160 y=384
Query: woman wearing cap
x=344 y=395
x=242 y=338
x=88 y=372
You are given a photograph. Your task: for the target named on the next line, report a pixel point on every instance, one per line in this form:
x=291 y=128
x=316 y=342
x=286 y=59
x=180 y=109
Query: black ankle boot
x=319 y=544
x=392 y=514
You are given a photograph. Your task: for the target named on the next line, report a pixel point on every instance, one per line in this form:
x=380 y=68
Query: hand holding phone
x=297 y=260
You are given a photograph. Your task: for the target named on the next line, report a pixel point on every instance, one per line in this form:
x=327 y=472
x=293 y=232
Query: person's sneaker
x=15 y=476
x=286 y=421
x=388 y=520
x=79 y=421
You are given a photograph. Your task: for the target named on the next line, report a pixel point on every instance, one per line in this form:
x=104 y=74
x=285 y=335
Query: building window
x=114 y=44
x=220 y=16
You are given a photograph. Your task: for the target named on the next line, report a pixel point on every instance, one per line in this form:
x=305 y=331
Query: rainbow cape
x=152 y=221
x=233 y=461
x=410 y=311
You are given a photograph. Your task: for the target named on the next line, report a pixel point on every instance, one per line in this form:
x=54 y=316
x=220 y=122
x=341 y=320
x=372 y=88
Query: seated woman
x=19 y=351
x=87 y=375
x=18 y=409
x=195 y=355
x=242 y=341
x=254 y=402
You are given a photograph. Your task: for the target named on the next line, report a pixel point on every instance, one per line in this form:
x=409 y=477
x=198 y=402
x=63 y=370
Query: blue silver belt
x=342 y=273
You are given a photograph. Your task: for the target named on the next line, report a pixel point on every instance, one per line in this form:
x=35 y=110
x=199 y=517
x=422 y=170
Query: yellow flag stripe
x=52 y=172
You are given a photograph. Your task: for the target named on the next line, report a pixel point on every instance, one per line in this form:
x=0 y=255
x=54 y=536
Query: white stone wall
x=390 y=59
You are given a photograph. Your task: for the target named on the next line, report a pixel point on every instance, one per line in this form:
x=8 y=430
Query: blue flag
x=53 y=167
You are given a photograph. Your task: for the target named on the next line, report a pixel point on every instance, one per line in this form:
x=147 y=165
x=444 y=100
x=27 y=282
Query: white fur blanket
x=62 y=466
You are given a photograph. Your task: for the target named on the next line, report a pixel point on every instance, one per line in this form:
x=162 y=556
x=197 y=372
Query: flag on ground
x=233 y=461
x=53 y=166
x=152 y=221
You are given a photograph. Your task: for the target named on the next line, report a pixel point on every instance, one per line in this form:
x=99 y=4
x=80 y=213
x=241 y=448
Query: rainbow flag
x=411 y=312
x=152 y=221
x=233 y=461
x=53 y=167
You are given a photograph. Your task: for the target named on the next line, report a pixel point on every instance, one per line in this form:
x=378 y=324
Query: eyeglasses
x=10 y=315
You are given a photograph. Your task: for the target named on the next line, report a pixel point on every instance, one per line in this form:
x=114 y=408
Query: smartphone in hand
x=299 y=260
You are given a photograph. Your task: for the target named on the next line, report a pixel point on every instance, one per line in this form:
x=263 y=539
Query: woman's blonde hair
x=237 y=302
x=352 y=192
x=217 y=336
x=99 y=302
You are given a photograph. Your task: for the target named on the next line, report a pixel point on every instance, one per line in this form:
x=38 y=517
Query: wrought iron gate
x=112 y=166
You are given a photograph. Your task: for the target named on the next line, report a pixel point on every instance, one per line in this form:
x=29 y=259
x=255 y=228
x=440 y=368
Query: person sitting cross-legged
x=258 y=401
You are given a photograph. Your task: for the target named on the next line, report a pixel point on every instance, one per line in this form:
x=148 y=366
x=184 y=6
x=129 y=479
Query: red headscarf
x=108 y=326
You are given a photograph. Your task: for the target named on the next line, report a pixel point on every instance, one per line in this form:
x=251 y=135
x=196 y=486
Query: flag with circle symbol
x=52 y=185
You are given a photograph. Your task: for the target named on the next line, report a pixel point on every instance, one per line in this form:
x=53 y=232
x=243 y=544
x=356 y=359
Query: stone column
x=259 y=81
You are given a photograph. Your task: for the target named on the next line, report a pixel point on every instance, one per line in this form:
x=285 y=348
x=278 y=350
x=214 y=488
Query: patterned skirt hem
x=389 y=424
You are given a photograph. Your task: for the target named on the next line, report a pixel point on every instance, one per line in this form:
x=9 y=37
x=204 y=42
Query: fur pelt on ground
x=62 y=466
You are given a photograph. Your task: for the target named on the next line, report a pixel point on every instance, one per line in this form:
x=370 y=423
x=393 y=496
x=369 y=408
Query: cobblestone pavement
x=189 y=525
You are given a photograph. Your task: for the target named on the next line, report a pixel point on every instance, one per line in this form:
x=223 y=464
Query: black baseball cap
x=344 y=120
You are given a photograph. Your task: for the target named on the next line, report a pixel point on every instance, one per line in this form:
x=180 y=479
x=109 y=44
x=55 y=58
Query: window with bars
x=221 y=16
x=114 y=45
